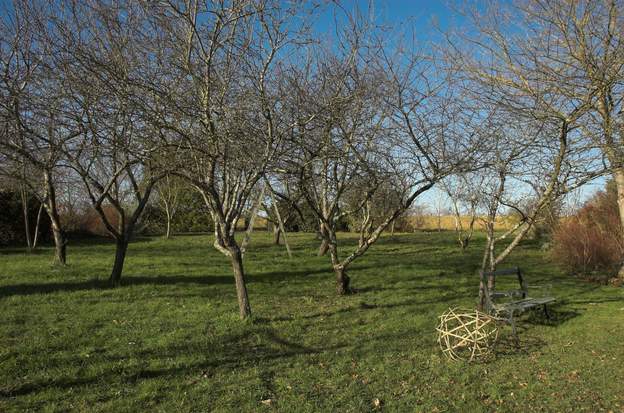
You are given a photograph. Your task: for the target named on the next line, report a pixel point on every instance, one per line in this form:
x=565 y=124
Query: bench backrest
x=491 y=295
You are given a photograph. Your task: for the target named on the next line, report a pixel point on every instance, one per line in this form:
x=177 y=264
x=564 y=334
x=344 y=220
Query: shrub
x=591 y=241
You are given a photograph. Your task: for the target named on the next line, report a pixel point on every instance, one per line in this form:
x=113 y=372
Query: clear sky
x=418 y=14
x=421 y=16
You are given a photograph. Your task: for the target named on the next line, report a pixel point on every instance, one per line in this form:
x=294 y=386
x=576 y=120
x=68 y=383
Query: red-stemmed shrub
x=591 y=242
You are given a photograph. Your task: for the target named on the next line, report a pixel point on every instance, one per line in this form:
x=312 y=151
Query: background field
x=170 y=340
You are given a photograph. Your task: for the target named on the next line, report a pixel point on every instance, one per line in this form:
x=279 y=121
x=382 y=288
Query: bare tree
x=285 y=201
x=464 y=192
x=518 y=69
x=219 y=102
x=589 y=39
x=168 y=190
x=31 y=133
x=93 y=59
x=380 y=121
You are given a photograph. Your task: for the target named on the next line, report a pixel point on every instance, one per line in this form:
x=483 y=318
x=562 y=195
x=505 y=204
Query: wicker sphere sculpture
x=466 y=334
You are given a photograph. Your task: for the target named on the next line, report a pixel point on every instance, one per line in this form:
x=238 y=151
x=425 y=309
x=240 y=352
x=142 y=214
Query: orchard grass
x=169 y=339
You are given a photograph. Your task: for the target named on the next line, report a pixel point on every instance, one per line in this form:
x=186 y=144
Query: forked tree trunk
x=618 y=176
x=323 y=248
x=244 y=307
x=120 y=256
x=342 y=279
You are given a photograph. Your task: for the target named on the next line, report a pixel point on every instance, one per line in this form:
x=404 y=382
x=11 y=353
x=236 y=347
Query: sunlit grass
x=170 y=339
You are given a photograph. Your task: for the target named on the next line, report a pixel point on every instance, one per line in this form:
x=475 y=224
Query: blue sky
x=418 y=14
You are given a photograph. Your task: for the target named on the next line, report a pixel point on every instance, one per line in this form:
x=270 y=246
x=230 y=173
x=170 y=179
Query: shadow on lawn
x=102 y=284
x=249 y=348
x=363 y=306
x=47 y=288
x=506 y=344
x=528 y=343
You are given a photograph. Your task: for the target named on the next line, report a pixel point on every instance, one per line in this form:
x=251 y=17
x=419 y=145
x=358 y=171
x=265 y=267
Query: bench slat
x=525 y=304
x=509 y=293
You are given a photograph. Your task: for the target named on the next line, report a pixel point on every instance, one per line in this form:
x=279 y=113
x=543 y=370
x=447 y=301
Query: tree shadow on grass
x=102 y=284
x=251 y=347
x=54 y=287
x=527 y=343
x=362 y=306
x=41 y=250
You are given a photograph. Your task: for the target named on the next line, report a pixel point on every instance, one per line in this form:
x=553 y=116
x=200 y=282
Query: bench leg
x=514 y=331
x=546 y=312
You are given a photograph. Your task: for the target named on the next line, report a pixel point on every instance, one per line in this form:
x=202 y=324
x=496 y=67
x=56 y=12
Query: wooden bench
x=506 y=305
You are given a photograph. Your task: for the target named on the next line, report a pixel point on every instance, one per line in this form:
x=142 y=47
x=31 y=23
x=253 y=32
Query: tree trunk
x=36 y=235
x=487 y=259
x=392 y=228
x=241 y=288
x=168 y=233
x=342 y=281
x=24 y=198
x=60 y=245
x=618 y=176
x=60 y=241
x=120 y=257
x=276 y=234
x=323 y=248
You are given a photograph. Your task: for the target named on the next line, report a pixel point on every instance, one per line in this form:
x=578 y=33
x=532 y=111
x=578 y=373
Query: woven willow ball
x=466 y=334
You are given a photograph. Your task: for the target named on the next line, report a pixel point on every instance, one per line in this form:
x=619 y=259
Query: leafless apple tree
x=215 y=91
x=519 y=69
x=380 y=119
x=32 y=133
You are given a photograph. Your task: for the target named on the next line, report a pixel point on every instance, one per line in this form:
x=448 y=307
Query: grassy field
x=170 y=339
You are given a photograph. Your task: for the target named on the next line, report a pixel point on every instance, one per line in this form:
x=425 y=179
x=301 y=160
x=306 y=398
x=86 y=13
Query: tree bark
x=36 y=235
x=60 y=241
x=463 y=242
x=487 y=259
x=24 y=197
x=120 y=257
x=276 y=234
x=342 y=280
x=618 y=176
x=168 y=233
x=323 y=248
x=241 y=288
x=60 y=245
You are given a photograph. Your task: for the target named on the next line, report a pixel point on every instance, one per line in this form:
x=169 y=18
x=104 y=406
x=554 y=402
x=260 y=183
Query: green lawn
x=170 y=339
